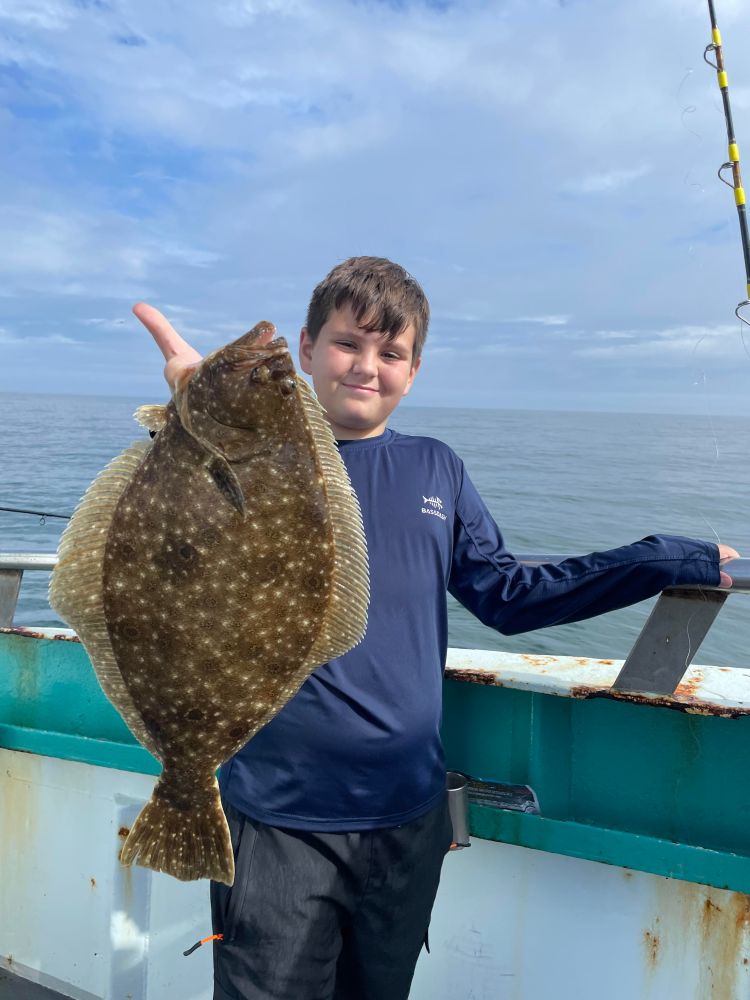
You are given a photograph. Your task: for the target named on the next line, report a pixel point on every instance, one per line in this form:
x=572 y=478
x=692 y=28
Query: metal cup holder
x=458 y=804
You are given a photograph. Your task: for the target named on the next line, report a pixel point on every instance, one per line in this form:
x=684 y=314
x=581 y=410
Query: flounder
x=208 y=573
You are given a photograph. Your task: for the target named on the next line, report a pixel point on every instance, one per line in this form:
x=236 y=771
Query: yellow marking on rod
x=734 y=152
x=739 y=196
x=723 y=79
x=716 y=35
x=748 y=289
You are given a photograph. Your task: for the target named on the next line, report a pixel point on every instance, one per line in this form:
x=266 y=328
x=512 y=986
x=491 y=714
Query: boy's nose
x=364 y=365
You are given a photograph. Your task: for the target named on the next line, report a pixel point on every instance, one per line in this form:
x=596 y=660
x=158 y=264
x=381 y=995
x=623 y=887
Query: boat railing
x=662 y=653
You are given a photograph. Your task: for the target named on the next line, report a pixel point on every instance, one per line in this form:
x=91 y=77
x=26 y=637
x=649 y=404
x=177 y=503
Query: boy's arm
x=513 y=598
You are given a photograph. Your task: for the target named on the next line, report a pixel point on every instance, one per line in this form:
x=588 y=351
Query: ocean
x=564 y=483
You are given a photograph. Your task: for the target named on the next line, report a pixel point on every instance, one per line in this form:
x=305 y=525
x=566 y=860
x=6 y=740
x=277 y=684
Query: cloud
x=686 y=344
x=218 y=164
x=84 y=253
x=104 y=322
x=552 y=320
x=609 y=180
x=53 y=338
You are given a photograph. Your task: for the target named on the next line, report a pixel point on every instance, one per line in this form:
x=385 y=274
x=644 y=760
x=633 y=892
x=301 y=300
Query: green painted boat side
x=627 y=784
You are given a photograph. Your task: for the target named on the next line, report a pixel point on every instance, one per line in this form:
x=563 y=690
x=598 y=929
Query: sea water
x=556 y=483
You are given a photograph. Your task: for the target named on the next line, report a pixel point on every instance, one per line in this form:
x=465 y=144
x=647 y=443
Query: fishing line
x=690 y=110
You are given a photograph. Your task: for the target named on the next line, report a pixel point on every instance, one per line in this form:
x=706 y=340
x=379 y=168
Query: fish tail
x=184 y=834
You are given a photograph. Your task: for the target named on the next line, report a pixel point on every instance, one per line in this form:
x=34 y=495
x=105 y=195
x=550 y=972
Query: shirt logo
x=434 y=506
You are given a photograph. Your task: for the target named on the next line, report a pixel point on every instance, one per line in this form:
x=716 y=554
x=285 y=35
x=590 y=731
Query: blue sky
x=546 y=170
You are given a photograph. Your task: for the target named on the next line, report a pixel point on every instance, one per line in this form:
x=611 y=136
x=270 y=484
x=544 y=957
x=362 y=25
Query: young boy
x=337 y=808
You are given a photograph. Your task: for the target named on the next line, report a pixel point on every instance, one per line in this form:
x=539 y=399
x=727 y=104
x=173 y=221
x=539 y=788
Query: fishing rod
x=733 y=162
x=39 y=513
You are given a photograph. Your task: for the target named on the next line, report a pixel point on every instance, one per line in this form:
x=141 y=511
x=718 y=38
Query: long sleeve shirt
x=358 y=747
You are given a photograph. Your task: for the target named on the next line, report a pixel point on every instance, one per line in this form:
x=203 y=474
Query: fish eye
x=260 y=374
x=287 y=386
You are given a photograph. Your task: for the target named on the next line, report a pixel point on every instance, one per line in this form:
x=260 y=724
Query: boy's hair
x=383 y=296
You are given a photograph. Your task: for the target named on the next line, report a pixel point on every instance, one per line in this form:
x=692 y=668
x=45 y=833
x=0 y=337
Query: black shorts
x=326 y=916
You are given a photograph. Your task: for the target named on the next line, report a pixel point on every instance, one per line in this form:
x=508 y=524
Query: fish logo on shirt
x=435 y=508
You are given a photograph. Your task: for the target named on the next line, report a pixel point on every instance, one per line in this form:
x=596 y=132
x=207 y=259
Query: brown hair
x=383 y=296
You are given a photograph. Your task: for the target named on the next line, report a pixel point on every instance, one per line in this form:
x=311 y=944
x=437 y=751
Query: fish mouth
x=262 y=337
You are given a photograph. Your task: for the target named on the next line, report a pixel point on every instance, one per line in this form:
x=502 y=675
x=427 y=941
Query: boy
x=337 y=808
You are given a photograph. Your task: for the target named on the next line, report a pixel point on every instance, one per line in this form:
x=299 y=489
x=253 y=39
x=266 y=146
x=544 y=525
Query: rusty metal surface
x=516 y=923
x=64 y=635
x=705 y=690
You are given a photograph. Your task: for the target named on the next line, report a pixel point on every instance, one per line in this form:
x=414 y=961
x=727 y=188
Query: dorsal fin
x=76 y=590
x=346 y=620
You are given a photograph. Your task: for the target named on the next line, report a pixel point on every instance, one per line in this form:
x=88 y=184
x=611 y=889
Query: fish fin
x=227 y=482
x=152 y=416
x=188 y=843
x=76 y=589
x=346 y=619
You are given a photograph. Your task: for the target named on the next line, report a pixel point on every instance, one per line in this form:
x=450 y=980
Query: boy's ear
x=412 y=375
x=305 y=351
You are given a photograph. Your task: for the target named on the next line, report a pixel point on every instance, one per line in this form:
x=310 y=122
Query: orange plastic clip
x=213 y=937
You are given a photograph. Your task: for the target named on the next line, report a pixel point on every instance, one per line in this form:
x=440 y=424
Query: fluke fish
x=208 y=572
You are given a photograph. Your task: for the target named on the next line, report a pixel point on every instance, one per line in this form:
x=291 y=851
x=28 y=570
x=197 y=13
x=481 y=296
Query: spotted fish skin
x=223 y=584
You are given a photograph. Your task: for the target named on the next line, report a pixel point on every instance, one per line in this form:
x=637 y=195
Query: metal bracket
x=10 y=584
x=669 y=640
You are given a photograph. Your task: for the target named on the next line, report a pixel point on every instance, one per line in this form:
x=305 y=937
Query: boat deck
x=14 y=988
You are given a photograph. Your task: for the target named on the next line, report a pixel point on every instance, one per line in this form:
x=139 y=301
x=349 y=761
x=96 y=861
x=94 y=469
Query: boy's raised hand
x=178 y=354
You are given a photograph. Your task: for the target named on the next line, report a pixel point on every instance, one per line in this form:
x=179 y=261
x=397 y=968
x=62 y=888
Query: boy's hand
x=178 y=354
x=726 y=554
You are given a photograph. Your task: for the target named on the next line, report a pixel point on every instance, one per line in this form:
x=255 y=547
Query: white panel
x=71 y=916
x=509 y=923
x=515 y=924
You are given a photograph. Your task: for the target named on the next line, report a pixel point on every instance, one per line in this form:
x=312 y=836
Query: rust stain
x=689 y=687
x=539 y=661
x=93 y=883
x=123 y=832
x=723 y=939
x=607 y=663
x=627 y=873
x=127 y=886
x=473 y=676
x=9 y=960
x=18 y=816
x=709 y=908
x=27 y=633
x=651 y=942
x=687 y=703
x=27 y=679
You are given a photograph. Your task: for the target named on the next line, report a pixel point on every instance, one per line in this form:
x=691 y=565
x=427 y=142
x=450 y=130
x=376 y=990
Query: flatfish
x=208 y=572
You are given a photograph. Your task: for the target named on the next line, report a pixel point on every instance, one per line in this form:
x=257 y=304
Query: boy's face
x=359 y=377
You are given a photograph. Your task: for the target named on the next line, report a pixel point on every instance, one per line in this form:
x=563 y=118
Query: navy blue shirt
x=358 y=747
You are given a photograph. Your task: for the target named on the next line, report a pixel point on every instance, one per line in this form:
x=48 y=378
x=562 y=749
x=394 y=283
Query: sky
x=546 y=170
